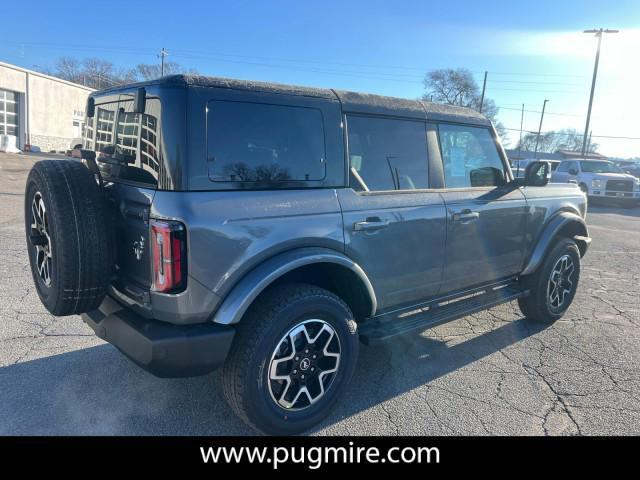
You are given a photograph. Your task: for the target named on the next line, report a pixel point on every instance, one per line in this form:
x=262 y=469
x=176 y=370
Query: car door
x=394 y=227
x=566 y=171
x=486 y=213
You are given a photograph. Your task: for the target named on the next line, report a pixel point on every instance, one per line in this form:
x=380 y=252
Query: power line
x=615 y=137
x=538 y=111
x=537 y=83
x=535 y=74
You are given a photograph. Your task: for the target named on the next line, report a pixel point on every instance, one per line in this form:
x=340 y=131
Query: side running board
x=379 y=329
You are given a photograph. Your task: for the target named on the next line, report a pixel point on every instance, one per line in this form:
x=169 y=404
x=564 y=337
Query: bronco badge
x=138 y=248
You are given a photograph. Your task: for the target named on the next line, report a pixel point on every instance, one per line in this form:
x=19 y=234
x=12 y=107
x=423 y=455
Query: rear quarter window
x=264 y=144
x=127 y=144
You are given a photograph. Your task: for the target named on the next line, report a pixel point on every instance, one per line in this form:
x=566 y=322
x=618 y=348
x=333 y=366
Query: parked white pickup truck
x=599 y=179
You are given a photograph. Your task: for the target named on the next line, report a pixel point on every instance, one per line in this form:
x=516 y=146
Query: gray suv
x=269 y=230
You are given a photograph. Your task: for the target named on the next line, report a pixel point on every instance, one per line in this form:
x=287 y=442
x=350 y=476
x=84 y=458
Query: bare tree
x=69 y=68
x=458 y=87
x=98 y=73
x=550 y=142
x=151 y=71
x=453 y=87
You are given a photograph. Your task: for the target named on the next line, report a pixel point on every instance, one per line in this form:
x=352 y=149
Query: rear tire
x=68 y=236
x=264 y=376
x=553 y=286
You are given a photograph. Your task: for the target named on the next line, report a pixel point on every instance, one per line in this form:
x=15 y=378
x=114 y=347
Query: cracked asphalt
x=490 y=373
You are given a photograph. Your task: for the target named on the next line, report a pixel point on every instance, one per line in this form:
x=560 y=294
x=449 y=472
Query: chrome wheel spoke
x=560 y=282
x=303 y=364
x=40 y=229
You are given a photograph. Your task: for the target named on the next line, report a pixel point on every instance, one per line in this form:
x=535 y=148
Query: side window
x=470 y=157
x=253 y=142
x=387 y=154
x=563 y=167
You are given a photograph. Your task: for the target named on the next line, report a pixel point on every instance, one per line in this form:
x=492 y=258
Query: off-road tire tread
x=81 y=234
x=251 y=331
x=533 y=306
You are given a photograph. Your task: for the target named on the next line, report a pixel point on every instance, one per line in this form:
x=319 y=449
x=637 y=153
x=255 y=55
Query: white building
x=40 y=110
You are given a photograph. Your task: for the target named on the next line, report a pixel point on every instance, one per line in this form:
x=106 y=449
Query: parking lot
x=489 y=373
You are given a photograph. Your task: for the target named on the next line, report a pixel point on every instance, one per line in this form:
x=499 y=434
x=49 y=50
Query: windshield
x=599 y=167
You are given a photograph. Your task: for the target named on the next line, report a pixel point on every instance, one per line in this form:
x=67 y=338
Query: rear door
x=128 y=154
x=486 y=215
x=394 y=225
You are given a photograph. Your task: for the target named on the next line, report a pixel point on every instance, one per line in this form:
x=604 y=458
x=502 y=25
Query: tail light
x=169 y=254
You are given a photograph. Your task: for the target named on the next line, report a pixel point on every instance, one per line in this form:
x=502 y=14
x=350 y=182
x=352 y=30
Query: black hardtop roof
x=351 y=101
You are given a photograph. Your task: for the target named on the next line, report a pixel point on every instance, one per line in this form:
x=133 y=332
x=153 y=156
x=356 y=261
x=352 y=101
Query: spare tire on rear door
x=68 y=236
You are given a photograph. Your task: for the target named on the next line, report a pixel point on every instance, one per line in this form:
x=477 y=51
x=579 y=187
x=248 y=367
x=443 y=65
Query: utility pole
x=520 y=142
x=163 y=53
x=598 y=32
x=521 y=122
x=484 y=87
x=540 y=127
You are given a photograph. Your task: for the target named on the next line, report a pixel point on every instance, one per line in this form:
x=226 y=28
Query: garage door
x=8 y=113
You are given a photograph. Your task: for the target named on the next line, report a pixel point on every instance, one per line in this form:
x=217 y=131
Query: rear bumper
x=161 y=348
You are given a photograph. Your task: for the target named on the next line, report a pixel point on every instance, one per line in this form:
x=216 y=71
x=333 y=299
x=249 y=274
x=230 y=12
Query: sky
x=532 y=50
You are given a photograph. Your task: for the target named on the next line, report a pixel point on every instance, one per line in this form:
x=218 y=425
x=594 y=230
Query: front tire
x=293 y=356
x=553 y=286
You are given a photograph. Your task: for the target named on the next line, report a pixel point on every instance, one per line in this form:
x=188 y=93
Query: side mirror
x=537 y=174
x=139 y=100
x=91 y=107
x=573 y=171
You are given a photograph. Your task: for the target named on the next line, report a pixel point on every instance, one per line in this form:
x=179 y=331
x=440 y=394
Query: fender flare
x=242 y=295
x=550 y=232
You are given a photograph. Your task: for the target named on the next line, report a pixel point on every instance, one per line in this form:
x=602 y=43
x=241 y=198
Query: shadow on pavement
x=98 y=391
x=598 y=207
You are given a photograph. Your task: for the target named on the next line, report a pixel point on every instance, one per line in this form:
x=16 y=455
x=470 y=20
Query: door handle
x=465 y=216
x=371 y=224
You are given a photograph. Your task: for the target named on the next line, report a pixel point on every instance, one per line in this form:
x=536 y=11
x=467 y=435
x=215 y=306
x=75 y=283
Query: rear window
x=126 y=143
x=262 y=143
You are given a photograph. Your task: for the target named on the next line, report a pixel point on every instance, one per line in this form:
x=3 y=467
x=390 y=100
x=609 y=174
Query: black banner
x=272 y=454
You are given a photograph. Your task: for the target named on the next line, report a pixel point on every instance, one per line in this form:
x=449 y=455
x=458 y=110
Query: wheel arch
x=323 y=267
x=564 y=224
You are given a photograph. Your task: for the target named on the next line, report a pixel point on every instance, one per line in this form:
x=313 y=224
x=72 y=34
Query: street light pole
x=540 y=127
x=598 y=32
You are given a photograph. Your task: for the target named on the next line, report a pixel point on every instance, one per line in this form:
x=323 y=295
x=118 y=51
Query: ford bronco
x=270 y=230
